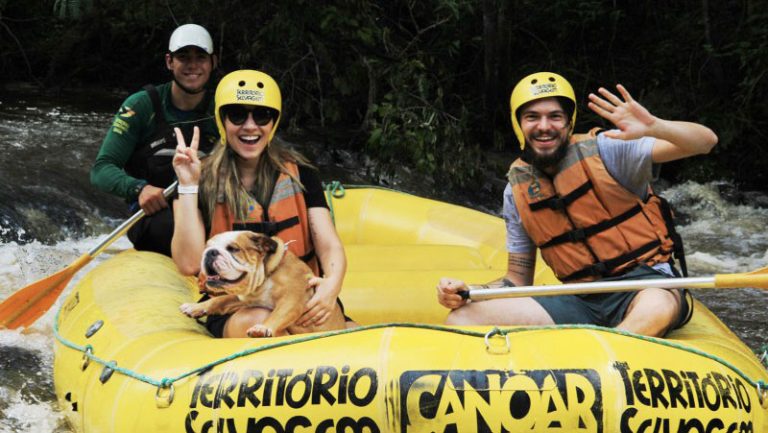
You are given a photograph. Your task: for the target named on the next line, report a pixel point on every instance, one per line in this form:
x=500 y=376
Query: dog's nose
x=209 y=256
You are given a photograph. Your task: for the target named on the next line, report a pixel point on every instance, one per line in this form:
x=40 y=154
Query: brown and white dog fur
x=247 y=269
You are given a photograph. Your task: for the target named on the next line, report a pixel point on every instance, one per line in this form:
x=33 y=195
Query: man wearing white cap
x=134 y=161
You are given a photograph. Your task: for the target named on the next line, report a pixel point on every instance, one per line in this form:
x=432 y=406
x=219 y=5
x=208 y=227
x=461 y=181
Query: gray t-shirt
x=629 y=162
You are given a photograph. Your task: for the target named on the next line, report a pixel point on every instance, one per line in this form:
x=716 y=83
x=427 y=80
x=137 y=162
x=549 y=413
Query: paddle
x=757 y=278
x=28 y=304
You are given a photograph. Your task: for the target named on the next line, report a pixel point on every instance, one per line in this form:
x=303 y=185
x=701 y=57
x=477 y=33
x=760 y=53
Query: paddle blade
x=26 y=305
x=757 y=278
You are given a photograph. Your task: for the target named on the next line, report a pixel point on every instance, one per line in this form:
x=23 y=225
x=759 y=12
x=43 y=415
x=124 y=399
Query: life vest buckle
x=600 y=269
x=556 y=203
x=577 y=235
x=270 y=228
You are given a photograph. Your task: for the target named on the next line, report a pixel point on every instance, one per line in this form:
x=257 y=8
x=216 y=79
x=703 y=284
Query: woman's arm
x=333 y=261
x=188 y=240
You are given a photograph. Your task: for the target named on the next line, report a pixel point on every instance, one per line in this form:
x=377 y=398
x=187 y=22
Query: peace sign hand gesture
x=186 y=164
x=632 y=119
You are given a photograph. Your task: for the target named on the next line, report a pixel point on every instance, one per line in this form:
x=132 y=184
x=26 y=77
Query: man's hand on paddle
x=448 y=293
x=186 y=164
x=632 y=119
x=151 y=199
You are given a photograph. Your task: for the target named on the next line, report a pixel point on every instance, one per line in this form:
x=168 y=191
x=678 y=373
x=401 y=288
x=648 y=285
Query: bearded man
x=585 y=202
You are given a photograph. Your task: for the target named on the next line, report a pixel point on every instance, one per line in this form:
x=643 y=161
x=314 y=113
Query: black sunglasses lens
x=261 y=116
x=236 y=114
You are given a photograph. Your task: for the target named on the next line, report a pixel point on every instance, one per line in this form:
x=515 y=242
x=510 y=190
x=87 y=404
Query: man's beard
x=543 y=162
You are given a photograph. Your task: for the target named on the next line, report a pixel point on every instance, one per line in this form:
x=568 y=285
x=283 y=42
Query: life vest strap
x=161 y=124
x=307 y=257
x=604 y=268
x=669 y=220
x=269 y=228
x=560 y=203
x=578 y=235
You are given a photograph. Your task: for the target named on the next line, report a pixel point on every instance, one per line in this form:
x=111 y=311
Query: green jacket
x=135 y=152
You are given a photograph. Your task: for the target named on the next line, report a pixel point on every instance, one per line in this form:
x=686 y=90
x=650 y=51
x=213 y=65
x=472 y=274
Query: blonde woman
x=250 y=182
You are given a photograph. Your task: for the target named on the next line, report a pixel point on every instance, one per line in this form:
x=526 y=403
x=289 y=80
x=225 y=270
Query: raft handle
x=496 y=350
x=762 y=394
x=87 y=353
x=164 y=401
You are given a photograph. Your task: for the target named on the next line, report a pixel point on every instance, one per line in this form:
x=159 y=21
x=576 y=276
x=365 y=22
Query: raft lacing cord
x=168 y=382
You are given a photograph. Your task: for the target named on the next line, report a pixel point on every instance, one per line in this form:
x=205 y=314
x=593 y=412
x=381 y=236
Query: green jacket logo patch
x=126 y=112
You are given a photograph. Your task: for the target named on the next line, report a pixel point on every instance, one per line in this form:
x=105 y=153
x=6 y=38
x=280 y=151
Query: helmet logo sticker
x=543 y=88
x=250 y=95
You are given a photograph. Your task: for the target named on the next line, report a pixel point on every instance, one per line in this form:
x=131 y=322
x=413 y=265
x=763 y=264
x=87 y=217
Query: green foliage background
x=424 y=84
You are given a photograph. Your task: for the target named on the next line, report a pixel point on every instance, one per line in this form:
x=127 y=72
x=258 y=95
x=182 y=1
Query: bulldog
x=247 y=269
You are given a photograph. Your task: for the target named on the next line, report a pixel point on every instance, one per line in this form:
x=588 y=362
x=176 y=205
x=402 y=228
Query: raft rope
x=166 y=383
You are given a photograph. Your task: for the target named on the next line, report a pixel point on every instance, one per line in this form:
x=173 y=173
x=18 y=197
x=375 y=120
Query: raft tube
x=126 y=359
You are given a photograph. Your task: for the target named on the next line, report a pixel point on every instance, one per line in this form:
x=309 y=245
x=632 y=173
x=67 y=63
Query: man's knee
x=461 y=317
x=659 y=309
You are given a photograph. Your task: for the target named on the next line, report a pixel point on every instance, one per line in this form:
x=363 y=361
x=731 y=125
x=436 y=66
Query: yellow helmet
x=247 y=87
x=538 y=86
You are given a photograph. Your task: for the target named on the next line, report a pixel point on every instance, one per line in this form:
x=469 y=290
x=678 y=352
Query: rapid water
x=50 y=215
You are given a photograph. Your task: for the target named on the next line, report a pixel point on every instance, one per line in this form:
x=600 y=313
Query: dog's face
x=234 y=262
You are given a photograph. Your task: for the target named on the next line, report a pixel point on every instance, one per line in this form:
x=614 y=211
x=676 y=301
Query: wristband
x=136 y=190
x=187 y=189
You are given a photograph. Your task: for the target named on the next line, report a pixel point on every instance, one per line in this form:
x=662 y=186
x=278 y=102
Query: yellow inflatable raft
x=126 y=360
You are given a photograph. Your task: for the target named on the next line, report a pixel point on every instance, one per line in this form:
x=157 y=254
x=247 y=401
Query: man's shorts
x=608 y=309
x=153 y=232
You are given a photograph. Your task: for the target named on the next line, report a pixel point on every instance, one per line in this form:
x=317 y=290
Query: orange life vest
x=585 y=223
x=286 y=218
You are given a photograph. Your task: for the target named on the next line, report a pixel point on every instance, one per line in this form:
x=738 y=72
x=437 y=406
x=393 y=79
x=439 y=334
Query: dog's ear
x=263 y=244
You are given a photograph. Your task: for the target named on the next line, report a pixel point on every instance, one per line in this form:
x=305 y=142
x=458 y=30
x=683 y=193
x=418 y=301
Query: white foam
x=30 y=417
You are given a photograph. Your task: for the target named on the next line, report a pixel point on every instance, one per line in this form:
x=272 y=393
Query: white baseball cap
x=190 y=35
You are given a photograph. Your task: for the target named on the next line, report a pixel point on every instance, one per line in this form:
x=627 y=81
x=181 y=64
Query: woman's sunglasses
x=238 y=114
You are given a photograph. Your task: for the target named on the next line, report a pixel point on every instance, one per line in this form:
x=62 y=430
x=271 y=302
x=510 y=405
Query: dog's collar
x=273 y=261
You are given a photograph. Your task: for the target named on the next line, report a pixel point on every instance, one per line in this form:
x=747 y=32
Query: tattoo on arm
x=502 y=282
x=521 y=266
x=521 y=262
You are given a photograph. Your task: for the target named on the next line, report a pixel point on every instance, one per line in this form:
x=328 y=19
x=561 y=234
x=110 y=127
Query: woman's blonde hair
x=220 y=179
